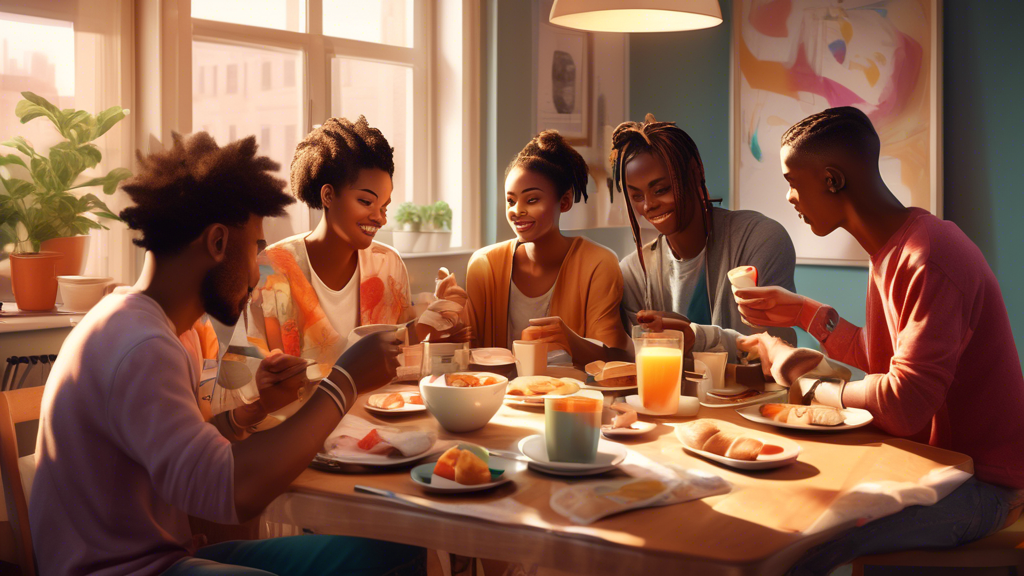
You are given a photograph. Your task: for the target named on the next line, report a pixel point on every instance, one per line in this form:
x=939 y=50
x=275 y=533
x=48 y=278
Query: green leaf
x=109 y=182
x=12 y=159
x=34 y=107
x=90 y=154
x=22 y=146
x=105 y=120
x=18 y=189
x=42 y=173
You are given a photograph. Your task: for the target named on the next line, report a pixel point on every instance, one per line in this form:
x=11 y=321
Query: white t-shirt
x=340 y=306
x=522 y=309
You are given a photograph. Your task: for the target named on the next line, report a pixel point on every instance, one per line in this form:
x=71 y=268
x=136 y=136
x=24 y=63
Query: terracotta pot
x=75 y=250
x=34 y=280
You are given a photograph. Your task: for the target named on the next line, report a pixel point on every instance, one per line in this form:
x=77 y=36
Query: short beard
x=215 y=283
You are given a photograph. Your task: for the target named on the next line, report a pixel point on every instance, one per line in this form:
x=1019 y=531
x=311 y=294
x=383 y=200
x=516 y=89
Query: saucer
x=688 y=406
x=635 y=429
x=609 y=456
x=424 y=476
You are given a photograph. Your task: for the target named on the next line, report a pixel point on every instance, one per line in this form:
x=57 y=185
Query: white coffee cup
x=531 y=357
x=715 y=361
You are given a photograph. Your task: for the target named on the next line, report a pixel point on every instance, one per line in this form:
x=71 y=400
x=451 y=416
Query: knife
x=391 y=496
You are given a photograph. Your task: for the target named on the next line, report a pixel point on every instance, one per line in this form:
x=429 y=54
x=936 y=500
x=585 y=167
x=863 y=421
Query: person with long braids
x=542 y=277
x=315 y=287
x=680 y=280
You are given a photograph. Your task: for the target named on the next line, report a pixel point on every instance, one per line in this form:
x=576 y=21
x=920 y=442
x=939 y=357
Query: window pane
x=257 y=102
x=380 y=21
x=382 y=93
x=36 y=55
x=279 y=14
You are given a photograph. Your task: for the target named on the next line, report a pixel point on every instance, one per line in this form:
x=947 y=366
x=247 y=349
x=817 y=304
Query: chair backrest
x=17 y=406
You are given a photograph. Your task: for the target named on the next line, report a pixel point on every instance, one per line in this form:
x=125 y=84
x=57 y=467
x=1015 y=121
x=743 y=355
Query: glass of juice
x=659 y=371
x=572 y=426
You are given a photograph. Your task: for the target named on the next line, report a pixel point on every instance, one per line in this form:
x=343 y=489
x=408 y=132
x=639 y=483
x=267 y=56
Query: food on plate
x=626 y=416
x=541 y=386
x=797 y=414
x=386 y=440
x=539 y=332
x=705 y=435
x=415 y=398
x=386 y=401
x=462 y=466
x=463 y=380
x=613 y=374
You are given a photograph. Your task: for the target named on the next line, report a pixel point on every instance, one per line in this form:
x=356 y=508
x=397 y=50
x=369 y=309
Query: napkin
x=651 y=484
x=408 y=440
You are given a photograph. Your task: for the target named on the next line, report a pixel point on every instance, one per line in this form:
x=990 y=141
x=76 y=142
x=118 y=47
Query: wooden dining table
x=760 y=527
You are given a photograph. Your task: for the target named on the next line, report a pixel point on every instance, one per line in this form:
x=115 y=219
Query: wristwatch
x=823 y=323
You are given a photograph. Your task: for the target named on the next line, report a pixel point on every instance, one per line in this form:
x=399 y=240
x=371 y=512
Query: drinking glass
x=572 y=426
x=659 y=370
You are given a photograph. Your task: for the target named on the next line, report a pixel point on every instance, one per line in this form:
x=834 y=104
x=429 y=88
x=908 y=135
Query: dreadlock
x=180 y=191
x=672 y=147
x=549 y=155
x=334 y=153
x=845 y=126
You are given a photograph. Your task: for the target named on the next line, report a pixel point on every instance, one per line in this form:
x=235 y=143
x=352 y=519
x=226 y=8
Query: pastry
x=706 y=436
x=541 y=386
x=386 y=401
x=809 y=415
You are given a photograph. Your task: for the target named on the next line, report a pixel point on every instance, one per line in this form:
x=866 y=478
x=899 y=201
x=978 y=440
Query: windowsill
x=457 y=252
x=41 y=322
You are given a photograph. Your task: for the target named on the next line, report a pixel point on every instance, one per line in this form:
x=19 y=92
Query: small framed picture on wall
x=562 y=60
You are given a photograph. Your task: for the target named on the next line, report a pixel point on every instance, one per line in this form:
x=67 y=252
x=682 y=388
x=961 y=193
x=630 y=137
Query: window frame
x=318 y=51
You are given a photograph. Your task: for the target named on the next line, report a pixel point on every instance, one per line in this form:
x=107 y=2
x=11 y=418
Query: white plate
x=789 y=454
x=590 y=386
x=854 y=418
x=729 y=390
x=609 y=456
x=772 y=396
x=688 y=406
x=538 y=401
x=420 y=472
x=380 y=460
x=636 y=428
x=491 y=357
x=406 y=409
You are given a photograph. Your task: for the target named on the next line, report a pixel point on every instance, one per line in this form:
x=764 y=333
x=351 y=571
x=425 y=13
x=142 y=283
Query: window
x=267 y=82
x=378 y=58
x=231 y=79
x=63 y=52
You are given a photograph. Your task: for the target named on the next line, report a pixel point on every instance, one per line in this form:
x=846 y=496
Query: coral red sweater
x=941 y=362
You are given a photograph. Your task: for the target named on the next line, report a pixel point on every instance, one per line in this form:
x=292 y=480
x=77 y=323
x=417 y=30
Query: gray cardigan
x=739 y=238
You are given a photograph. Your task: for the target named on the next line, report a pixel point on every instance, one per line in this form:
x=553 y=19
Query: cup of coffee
x=531 y=357
x=715 y=361
x=572 y=427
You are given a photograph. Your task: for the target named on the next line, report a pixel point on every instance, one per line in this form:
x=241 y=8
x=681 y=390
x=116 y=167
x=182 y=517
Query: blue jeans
x=971 y=512
x=309 y=555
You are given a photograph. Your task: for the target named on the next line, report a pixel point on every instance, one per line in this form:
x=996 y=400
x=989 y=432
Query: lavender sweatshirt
x=123 y=453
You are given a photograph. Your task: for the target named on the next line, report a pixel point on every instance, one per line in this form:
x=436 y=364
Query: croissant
x=705 y=435
x=797 y=414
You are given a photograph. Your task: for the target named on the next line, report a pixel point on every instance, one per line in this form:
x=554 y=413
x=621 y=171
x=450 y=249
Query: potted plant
x=40 y=214
x=437 y=219
x=408 y=236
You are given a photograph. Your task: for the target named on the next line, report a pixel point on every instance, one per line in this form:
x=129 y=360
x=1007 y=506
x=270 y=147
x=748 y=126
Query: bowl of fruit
x=463 y=401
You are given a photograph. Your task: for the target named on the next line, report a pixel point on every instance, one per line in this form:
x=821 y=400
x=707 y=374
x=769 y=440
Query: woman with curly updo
x=567 y=288
x=316 y=287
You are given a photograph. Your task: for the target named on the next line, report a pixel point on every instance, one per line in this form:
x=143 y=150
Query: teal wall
x=684 y=77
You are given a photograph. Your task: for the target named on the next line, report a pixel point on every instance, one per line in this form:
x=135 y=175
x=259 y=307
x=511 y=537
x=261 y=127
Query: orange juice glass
x=659 y=370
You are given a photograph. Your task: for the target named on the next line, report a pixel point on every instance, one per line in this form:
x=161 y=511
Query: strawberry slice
x=370 y=440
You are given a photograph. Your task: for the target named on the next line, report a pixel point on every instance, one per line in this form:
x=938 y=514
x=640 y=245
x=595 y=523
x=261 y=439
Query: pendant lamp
x=636 y=15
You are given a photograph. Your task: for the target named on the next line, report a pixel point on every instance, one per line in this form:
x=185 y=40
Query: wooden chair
x=1004 y=549
x=16 y=406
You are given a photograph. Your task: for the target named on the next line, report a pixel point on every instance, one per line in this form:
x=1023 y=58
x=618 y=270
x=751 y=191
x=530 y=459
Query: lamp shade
x=636 y=15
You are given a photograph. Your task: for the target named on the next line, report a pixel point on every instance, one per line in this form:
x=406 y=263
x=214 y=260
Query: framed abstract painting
x=794 y=58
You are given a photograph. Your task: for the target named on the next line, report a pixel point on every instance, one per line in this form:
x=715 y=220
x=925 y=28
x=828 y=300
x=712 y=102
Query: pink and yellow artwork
x=794 y=58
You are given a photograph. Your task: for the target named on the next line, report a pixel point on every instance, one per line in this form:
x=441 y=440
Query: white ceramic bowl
x=463 y=409
x=81 y=293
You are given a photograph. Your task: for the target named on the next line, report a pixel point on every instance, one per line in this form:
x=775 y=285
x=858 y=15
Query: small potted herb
x=437 y=222
x=407 y=235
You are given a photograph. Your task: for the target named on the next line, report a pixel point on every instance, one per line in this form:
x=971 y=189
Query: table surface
x=755 y=529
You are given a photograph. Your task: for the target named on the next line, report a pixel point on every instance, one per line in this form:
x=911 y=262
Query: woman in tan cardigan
x=543 y=278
